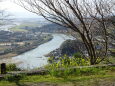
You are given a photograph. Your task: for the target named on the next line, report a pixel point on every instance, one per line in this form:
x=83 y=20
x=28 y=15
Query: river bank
x=68 y=47
x=36 y=57
x=7 y=58
x=17 y=48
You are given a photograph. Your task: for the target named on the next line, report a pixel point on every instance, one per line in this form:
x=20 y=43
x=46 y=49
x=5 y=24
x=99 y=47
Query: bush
x=12 y=67
x=63 y=66
x=14 y=78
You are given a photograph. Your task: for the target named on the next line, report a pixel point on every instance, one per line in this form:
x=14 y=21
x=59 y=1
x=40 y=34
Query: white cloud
x=16 y=10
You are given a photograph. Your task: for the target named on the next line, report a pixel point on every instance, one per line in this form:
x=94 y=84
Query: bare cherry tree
x=87 y=18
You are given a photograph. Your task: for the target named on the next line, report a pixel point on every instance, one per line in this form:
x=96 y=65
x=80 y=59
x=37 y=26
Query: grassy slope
x=103 y=78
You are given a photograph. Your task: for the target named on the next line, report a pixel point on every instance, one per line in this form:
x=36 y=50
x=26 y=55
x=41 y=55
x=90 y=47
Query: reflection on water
x=35 y=58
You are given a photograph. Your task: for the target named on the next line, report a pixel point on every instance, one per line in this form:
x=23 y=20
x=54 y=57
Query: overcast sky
x=16 y=10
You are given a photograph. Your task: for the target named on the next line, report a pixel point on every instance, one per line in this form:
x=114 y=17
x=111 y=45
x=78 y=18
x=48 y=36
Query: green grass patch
x=17 y=29
x=27 y=24
x=30 y=25
x=103 y=76
x=70 y=81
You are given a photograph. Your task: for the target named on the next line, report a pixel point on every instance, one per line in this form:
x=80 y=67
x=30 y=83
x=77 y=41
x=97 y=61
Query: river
x=35 y=58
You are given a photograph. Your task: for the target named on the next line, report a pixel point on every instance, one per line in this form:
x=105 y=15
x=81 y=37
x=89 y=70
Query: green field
x=19 y=28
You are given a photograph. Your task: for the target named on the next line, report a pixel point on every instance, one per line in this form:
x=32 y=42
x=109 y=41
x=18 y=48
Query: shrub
x=63 y=66
x=14 y=78
x=12 y=67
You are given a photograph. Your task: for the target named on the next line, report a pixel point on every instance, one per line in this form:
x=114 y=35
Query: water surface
x=35 y=58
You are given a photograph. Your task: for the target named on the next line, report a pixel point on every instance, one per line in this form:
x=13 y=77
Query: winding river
x=35 y=58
